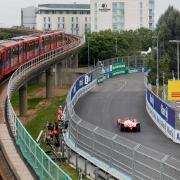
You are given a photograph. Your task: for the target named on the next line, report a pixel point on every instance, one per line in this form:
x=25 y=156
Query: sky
x=10 y=10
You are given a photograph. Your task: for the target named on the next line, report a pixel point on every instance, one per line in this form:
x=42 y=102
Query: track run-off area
x=124 y=97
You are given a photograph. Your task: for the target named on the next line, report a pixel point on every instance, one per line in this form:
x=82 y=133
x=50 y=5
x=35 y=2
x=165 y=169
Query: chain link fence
x=133 y=159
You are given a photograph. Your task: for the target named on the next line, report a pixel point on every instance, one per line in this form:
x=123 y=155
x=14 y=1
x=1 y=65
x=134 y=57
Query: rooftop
x=65 y=6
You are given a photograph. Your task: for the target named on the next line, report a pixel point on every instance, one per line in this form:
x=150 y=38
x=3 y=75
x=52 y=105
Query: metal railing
x=43 y=166
x=121 y=154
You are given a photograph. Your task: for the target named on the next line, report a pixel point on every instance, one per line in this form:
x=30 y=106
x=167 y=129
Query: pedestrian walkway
x=7 y=145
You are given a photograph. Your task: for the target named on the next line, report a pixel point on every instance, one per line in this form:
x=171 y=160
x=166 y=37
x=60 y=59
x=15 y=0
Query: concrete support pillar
x=76 y=59
x=56 y=75
x=108 y=177
x=73 y=61
x=96 y=173
x=49 y=83
x=85 y=168
x=23 y=100
x=77 y=156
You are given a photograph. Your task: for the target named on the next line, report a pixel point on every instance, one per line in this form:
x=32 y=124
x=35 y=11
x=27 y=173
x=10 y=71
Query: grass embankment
x=42 y=116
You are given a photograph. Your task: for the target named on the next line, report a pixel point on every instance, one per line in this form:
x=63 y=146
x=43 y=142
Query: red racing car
x=128 y=125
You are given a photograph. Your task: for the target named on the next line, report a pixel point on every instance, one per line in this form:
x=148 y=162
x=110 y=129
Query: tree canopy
x=168 y=28
x=108 y=44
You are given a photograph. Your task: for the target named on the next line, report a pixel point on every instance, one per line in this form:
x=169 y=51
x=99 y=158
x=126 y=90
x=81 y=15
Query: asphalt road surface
x=123 y=97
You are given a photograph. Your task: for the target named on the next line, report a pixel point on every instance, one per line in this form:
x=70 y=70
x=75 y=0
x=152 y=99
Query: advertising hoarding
x=164 y=111
x=174 y=90
x=80 y=83
x=116 y=70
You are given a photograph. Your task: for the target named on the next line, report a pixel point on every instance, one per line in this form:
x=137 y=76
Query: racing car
x=128 y=125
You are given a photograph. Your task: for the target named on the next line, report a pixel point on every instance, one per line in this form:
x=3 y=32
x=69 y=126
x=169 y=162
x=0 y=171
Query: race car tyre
x=122 y=127
x=138 y=129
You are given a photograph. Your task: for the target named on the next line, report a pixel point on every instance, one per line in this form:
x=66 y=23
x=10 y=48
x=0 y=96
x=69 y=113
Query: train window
x=16 y=51
x=43 y=42
x=8 y=58
x=36 y=44
x=26 y=48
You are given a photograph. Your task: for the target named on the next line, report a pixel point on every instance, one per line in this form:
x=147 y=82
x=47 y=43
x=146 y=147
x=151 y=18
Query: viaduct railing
x=43 y=166
x=120 y=157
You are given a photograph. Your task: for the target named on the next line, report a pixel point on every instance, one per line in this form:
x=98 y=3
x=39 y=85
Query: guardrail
x=162 y=114
x=118 y=156
x=43 y=166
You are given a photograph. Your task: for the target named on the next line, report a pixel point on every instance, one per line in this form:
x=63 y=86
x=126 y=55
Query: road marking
x=123 y=85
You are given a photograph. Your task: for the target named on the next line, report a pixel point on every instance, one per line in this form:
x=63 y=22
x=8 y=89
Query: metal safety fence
x=132 y=159
x=43 y=166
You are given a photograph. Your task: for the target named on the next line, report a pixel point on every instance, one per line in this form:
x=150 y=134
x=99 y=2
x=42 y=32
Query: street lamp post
x=116 y=46
x=157 y=64
x=177 y=42
x=88 y=53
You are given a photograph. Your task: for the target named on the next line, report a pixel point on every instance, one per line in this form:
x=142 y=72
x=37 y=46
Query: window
x=63 y=19
x=85 y=19
x=44 y=19
x=72 y=19
x=95 y=6
x=58 y=19
x=49 y=19
x=76 y=19
x=141 y=5
x=77 y=26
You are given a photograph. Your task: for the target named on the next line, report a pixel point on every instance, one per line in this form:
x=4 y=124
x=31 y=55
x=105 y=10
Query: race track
x=123 y=97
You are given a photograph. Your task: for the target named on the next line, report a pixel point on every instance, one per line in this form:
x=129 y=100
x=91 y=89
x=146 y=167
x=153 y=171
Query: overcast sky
x=10 y=9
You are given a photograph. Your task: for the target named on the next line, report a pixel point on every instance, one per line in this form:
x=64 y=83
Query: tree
x=102 y=45
x=168 y=28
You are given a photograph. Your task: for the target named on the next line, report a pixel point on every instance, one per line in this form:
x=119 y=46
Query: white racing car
x=128 y=125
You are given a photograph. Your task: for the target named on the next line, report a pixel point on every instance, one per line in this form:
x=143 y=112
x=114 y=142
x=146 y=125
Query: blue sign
x=166 y=112
x=80 y=83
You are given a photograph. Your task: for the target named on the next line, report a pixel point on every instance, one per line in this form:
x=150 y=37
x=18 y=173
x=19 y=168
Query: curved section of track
x=124 y=97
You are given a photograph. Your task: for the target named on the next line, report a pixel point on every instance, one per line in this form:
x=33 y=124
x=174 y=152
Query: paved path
x=13 y=166
x=123 y=97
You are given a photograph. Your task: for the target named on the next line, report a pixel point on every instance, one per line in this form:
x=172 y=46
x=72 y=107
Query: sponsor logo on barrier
x=178 y=136
x=164 y=111
x=80 y=83
x=152 y=100
x=170 y=132
x=160 y=122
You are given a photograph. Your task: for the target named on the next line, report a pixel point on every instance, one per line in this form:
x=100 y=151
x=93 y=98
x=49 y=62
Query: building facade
x=70 y=18
x=119 y=15
x=28 y=17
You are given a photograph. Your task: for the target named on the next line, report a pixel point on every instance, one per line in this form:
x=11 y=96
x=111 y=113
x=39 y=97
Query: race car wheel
x=122 y=127
x=138 y=128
